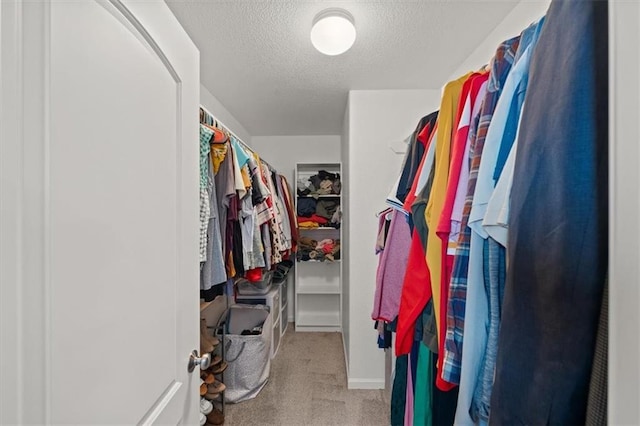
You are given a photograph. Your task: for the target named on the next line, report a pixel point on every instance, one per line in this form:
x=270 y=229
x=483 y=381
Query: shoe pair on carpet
x=210 y=415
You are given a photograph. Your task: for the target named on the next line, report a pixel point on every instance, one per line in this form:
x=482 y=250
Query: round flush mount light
x=333 y=31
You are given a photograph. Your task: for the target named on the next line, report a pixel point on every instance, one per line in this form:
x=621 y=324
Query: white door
x=99 y=213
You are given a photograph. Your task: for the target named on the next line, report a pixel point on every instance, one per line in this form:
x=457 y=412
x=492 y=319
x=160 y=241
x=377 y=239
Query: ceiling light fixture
x=333 y=31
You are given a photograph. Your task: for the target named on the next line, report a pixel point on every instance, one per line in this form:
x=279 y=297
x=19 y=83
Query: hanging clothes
x=285 y=224
x=439 y=264
x=250 y=225
x=238 y=180
x=518 y=172
x=417 y=146
x=450 y=225
x=289 y=204
x=447 y=229
x=467 y=288
x=275 y=220
x=391 y=269
x=225 y=188
x=424 y=137
x=558 y=229
x=598 y=398
x=415 y=291
x=493 y=253
x=213 y=271
x=422 y=412
x=399 y=391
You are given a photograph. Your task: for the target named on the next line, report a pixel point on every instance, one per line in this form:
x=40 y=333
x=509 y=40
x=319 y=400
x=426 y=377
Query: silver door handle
x=204 y=361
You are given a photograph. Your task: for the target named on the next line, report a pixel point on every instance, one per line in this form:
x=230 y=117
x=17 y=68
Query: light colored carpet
x=308 y=386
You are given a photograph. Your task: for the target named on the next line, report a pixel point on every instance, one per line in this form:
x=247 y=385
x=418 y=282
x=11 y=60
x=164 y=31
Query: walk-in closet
x=289 y=212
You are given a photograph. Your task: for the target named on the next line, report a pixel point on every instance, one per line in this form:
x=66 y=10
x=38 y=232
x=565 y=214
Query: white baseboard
x=346 y=358
x=365 y=383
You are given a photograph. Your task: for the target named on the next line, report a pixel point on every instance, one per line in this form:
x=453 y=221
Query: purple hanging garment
x=391 y=269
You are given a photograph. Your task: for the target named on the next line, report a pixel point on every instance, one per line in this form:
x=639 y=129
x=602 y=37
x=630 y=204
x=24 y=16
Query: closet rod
x=228 y=130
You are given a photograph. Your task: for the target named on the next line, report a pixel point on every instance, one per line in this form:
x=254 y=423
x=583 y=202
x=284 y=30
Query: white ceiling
x=257 y=58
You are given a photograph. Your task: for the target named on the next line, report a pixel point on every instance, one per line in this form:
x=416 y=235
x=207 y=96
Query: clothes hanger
x=400 y=148
x=484 y=68
x=219 y=137
x=385 y=211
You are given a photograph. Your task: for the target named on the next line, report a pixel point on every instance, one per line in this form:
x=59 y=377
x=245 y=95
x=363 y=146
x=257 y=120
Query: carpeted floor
x=308 y=386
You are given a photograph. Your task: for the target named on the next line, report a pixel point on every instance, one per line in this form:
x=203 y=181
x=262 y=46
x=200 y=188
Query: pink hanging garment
x=391 y=269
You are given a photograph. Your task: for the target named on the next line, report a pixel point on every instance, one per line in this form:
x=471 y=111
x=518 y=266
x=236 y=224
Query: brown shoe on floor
x=219 y=368
x=204 y=334
x=205 y=345
x=203 y=389
x=216 y=387
x=208 y=377
x=215 y=417
x=212 y=396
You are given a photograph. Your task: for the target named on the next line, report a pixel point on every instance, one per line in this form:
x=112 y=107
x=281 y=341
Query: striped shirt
x=452 y=362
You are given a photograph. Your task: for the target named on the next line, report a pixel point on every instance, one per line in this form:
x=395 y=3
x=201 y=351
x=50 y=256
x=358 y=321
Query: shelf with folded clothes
x=315 y=181
x=320 y=196
x=318 y=281
x=315 y=221
x=318 y=213
x=318 y=261
x=319 y=228
x=310 y=250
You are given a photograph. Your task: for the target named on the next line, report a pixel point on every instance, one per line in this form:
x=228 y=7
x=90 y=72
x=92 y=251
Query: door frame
x=624 y=210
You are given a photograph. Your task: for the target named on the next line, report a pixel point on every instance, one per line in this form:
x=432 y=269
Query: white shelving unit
x=284 y=305
x=318 y=284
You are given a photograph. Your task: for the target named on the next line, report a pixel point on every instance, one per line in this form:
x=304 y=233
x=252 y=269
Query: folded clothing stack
x=325 y=250
x=306 y=207
x=313 y=221
x=314 y=214
x=324 y=183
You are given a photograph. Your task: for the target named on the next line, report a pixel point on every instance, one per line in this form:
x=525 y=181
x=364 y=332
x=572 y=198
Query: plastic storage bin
x=248 y=288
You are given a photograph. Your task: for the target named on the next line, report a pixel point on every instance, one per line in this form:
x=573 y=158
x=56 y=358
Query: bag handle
x=239 y=352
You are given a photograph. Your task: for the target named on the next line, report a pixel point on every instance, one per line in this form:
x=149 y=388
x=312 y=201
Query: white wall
x=376 y=119
x=213 y=105
x=345 y=316
x=283 y=152
x=525 y=13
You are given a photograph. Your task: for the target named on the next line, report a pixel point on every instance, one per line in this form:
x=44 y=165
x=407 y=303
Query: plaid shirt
x=500 y=68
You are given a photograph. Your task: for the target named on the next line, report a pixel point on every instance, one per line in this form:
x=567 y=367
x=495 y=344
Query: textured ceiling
x=257 y=58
